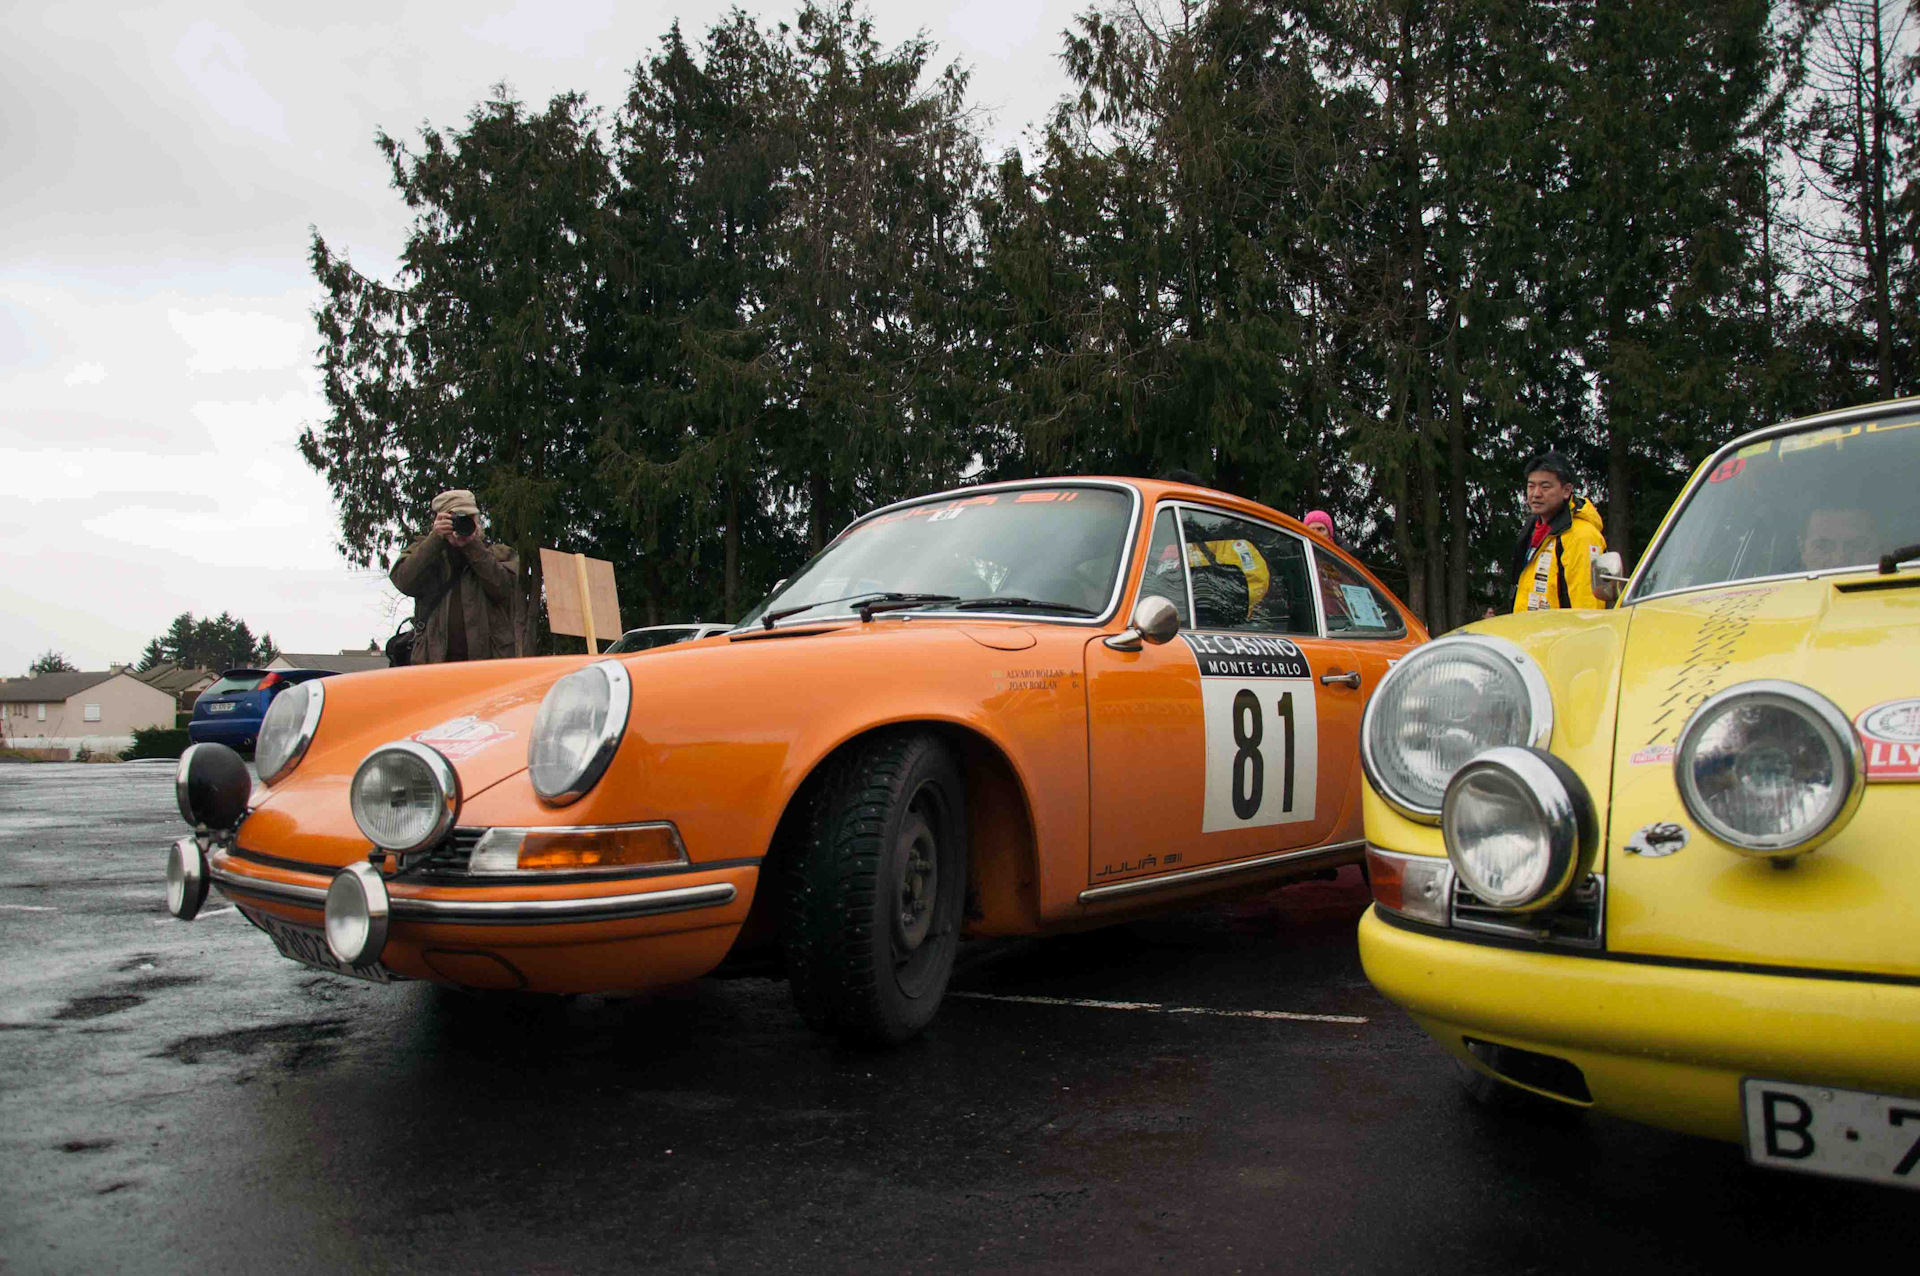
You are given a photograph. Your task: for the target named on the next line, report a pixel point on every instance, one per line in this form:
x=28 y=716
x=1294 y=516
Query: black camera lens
x=463 y=524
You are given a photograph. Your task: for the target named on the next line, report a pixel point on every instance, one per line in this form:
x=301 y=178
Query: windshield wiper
x=894 y=602
x=1890 y=563
x=876 y=595
x=1010 y=600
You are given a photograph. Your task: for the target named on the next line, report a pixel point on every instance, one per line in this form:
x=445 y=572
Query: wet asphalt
x=176 y=1097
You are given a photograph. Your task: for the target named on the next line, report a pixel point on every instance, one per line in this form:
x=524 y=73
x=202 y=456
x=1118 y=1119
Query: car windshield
x=645 y=639
x=235 y=682
x=1819 y=500
x=1043 y=551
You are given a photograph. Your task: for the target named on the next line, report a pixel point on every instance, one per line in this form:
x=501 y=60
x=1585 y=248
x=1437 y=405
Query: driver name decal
x=1262 y=731
x=1247 y=656
x=1890 y=733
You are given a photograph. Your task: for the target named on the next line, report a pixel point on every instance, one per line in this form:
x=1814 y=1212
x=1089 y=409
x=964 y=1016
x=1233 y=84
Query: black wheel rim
x=921 y=888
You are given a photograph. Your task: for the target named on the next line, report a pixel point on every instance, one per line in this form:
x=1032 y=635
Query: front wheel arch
x=1003 y=870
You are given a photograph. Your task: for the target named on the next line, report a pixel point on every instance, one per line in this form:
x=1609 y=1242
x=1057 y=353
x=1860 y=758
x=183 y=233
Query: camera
x=463 y=525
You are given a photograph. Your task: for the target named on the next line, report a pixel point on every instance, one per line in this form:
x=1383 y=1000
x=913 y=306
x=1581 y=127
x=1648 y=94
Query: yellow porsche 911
x=1664 y=860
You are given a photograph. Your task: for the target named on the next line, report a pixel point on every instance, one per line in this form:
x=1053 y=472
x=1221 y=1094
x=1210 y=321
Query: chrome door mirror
x=1609 y=575
x=1155 y=620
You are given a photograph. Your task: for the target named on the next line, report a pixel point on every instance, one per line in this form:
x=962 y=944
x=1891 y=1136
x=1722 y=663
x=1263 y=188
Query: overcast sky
x=162 y=168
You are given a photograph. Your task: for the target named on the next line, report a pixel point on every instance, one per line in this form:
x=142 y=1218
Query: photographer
x=462 y=587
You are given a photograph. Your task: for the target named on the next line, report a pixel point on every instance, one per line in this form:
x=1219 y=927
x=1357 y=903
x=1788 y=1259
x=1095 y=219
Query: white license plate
x=1846 y=1134
x=308 y=946
x=226 y=706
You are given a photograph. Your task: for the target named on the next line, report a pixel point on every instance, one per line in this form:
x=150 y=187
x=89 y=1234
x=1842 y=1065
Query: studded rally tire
x=874 y=891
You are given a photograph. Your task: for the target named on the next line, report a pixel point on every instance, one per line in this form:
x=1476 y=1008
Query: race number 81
x=1262 y=752
x=1249 y=768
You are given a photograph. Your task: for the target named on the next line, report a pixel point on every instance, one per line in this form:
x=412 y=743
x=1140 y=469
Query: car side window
x=1166 y=576
x=1247 y=576
x=1355 y=609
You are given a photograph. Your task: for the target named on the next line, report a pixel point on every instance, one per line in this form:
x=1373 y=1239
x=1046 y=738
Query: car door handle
x=1350 y=679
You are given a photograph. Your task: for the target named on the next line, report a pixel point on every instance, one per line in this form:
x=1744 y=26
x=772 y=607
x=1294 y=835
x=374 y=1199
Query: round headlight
x=577 y=730
x=1442 y=705
x=356 y=914
x=186 y=879
x=1770 y=768
x=288 y=729
x=1519 y=828
x=211 y=786
x=405 y=796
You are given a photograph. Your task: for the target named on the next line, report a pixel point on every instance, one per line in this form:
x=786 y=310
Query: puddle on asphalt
x=98 y=1007
x=301 y=1045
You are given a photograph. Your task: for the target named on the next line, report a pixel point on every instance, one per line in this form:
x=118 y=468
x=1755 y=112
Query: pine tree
x=475 y=368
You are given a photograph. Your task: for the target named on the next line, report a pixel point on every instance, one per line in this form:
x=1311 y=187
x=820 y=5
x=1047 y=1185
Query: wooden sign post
x=581 y=597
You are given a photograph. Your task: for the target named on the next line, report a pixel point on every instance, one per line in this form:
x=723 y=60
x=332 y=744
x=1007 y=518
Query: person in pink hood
x=1320 y=523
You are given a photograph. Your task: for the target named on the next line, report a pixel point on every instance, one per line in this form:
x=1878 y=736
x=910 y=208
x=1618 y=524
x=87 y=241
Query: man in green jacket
x=1550 y=559
x=462 y=588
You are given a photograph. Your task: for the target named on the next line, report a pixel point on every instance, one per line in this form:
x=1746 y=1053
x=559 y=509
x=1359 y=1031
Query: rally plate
x=1848 y=1134
x=308 y=946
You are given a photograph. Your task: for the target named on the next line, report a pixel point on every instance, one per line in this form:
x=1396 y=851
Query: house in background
x=339 y=662
x=184 y=685
x=64 y=713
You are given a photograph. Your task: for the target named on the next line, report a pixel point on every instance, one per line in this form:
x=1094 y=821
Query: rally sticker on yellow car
x=1263 y=735
x=1890 y=732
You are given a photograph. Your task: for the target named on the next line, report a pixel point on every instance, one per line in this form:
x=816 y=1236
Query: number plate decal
x=1263 y=736
x=308 y=946
x=1847 y=1134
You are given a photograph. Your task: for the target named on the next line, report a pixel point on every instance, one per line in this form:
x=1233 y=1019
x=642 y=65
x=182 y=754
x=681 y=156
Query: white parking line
x=1154 y=1007
x=31 y=908
x=215 y=912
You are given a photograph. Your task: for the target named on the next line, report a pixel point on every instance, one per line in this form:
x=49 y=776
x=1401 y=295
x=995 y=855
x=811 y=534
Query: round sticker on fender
x=1890 y=732
x=1263 y=735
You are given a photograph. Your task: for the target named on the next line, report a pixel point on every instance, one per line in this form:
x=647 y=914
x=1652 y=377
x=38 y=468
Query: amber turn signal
x=1416 y=886
x=585 y=849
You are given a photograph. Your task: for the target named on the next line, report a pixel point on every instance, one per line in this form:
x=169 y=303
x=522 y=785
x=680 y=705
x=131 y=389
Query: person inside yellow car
x=1838 y=538
x=1566 y=530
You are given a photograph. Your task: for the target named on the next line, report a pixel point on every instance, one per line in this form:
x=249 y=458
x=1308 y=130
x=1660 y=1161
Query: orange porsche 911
x=1009 y=710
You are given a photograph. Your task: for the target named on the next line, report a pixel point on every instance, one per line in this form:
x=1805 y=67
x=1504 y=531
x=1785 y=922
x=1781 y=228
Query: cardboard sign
x=581 y=597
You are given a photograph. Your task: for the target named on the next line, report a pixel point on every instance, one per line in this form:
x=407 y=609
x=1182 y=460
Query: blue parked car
x=229 y=712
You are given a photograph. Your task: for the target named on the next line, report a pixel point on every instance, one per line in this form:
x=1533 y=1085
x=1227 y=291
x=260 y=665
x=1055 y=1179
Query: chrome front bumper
x=409 y=904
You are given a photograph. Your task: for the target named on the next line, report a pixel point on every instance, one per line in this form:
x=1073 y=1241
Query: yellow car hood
x=1851 y=905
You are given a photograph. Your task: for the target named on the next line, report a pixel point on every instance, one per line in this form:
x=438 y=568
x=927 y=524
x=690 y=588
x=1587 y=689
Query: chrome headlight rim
x=1814 y=708
x=1566 y=811
x=314 y=692
x=612 y=731
x=1539 y=708
x=446 y=782
x=187 y=878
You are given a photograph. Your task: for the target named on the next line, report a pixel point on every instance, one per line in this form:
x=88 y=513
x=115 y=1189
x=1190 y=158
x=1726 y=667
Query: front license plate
x=1847 y=1134
x=225 y=707
x=308 y=946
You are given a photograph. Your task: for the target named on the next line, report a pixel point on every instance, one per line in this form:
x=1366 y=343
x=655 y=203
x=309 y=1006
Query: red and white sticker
x=1652 y=755
x=460 y=738
x=1890 y=731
